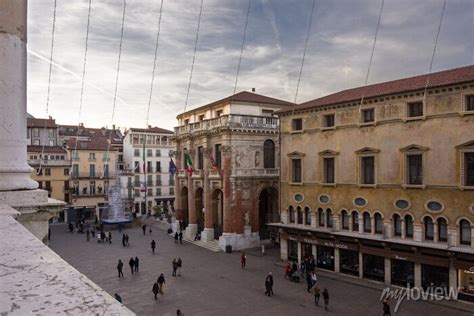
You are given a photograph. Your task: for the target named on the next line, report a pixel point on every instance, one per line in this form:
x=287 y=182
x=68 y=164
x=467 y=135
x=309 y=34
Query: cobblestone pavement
x=213 y=283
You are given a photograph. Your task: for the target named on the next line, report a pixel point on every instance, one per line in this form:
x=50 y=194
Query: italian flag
x=188 y=162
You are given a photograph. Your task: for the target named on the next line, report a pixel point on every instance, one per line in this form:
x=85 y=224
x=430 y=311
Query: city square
x=213 y=283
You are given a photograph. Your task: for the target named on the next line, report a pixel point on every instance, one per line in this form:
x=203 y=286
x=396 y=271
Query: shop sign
x=400 y=258
x=291 y=238
x=335 y=245
x=310 y=241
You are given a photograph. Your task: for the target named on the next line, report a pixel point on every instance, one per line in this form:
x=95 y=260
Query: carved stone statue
x=247 y=218
x=257 y=158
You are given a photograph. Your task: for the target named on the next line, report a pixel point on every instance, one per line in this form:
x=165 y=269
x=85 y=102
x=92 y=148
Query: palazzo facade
x=384 y=190
x=232 y=191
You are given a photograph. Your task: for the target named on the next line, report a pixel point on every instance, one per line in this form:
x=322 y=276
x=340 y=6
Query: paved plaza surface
x=213 y=283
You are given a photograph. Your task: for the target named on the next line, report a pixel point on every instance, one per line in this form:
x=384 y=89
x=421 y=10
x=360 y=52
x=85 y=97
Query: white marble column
x=417 y=275
x=388 y=270
x=336 y=260
x=15 y=174
x=299 y=253
x=361 y=265
x=283 y=249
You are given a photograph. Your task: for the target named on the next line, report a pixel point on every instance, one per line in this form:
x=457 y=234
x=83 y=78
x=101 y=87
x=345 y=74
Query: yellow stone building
x=377 y=182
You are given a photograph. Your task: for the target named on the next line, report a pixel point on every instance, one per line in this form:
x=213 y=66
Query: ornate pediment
x=466 y=145
x=328 y=152
x=296 y=154
x=413 y=147
x=367 y=150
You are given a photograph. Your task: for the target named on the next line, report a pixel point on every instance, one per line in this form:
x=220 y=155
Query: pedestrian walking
x=386 y=308
x=288 y=270
x=179 y=313
x=110 y=237
x=144 y=229
x=180 y=237
x=175 y=267
x=88 y=235
x=118 y=297
x=102 y=237
x=243 y=260
x=314 y=278
x=270 y=277
x=119 y=268
x=268 y=284
x=326 y=298
x=179 y=263
x=176 y=236
x=309 y=283
x=123 y=240
x=161 y=282
x=150 y=231
x=131 y=263
x=156 y=289
x=317 y=294
x=137 y=264
x=153 y=246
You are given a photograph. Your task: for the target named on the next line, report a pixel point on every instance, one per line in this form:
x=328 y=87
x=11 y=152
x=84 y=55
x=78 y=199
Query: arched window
x=300 y=215
x=355 y=221
x=292 y=214
x=345 y=220
x=367 y=226
x=307 y=214
x=408 y=226
x=442 y=229
x=269 y=154
x=429 y=231
x=329 y=217
x=321 y=217
x=465 y=232
x=378 y=223
x=397 y=225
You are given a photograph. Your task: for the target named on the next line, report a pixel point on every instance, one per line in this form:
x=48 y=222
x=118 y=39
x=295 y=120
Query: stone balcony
x=231 y=121
x=256 y=172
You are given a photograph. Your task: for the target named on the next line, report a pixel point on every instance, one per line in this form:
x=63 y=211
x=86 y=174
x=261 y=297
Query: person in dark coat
x=123 y=240
x=161 y=281
x=268 y=285
x=153 y=245
x=88 y=235
x=118 y=297
x=110 y=237
x=119 y=268
x=326 y=298
x=175 y=267
x=270 y=277
x=156 y=289
x=181 y=237
x=386 y=308
x=131 y=263
x=137 y=264
x=102 y=236
x=144 y=229
x=176 y=236
x=294 y=267
x=71 y=227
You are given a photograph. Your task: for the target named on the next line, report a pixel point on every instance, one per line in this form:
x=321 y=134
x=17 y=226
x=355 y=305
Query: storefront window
x=349 y=262
x=403 y=273
x=292 y=250
x=306 y=250
x=434 y=276
x=466 y=284
x=374 y=267
x=325 y=258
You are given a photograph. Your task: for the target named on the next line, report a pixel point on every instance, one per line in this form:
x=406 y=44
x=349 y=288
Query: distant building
x=146 y=155
x=227 y=160
x=384 y=190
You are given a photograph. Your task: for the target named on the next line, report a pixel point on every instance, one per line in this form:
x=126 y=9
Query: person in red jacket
x=243 y=260
x=287 y=270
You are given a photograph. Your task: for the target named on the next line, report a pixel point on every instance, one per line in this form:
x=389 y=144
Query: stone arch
x=267 y=210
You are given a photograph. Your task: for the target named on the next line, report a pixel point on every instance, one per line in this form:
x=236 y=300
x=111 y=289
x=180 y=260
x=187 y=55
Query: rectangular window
x=35 y=132
x=415 y=109
x=92 y=170
x=75 y=170
x=367 y=170
x=415 y=169
x=136 y=153
x=158 y=166
x=66 y=171
x=106 y=170
x=201 y=117
x=158 y=180
x=91 y=156
x=149 y=166
x=297 y=124
x=200 y=158
x=158 y=153
x=92 y=187
x=75 y=155
x=149 y=181
x=219 y=113
x=171 y=191
x=47 y=172
x=136 y=167
x=470 y=103
x=51 y=142
x=48 y=186
x=137 y=193
x=105 y=156
x=171 y=181
x=296 y=170
x=50 y=133
x=36 y=142
x=469 y=169
x=368 y=115
x=149 y=153
x=328 y=170
x=218 y=156
x=137 y=181
x=158 y=192
x=329 y=120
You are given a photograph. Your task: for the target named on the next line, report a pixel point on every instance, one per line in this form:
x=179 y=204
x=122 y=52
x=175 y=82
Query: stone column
x=313 y=219
x=417 y=232
x=372 y=225
x=361 y=224
x=191 y=229
x=388 y=270
x=178 y=205
x=283 y=249
x=336 y=260
x=403 y=229
x=299 y=253
x=351 y=223
x=314 y=251
x=361 y=265
x=15 y=174
x=417 y=275
x=453 y=275
x=208 y=233
x=435 y=231
x=336 y=223
x=228 y=234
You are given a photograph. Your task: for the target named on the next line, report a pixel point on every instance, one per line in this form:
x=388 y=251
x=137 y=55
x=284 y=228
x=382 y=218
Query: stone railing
x=230 y=121
x=214 y=174
x=257 y=172
x=198 y=173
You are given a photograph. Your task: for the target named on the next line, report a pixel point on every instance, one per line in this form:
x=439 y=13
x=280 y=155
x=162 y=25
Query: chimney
x=253 y=90
x=113 y=127
x=50 y=117
x=103 y=131
x=149 y=126
x=81 y=124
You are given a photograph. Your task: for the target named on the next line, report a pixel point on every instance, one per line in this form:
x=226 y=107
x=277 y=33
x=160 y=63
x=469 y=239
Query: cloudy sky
x=338 y=53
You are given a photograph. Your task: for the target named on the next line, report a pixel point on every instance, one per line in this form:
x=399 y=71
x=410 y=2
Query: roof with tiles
x=436 y=79
x=46 y=149
x=150 y=129
x=48 y=123
x=244 y=96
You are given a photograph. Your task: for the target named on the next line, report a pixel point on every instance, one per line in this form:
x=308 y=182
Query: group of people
x=125 y=242
x=178 y=236
x=134 y=264
x=144 y=230
x=158 y=286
